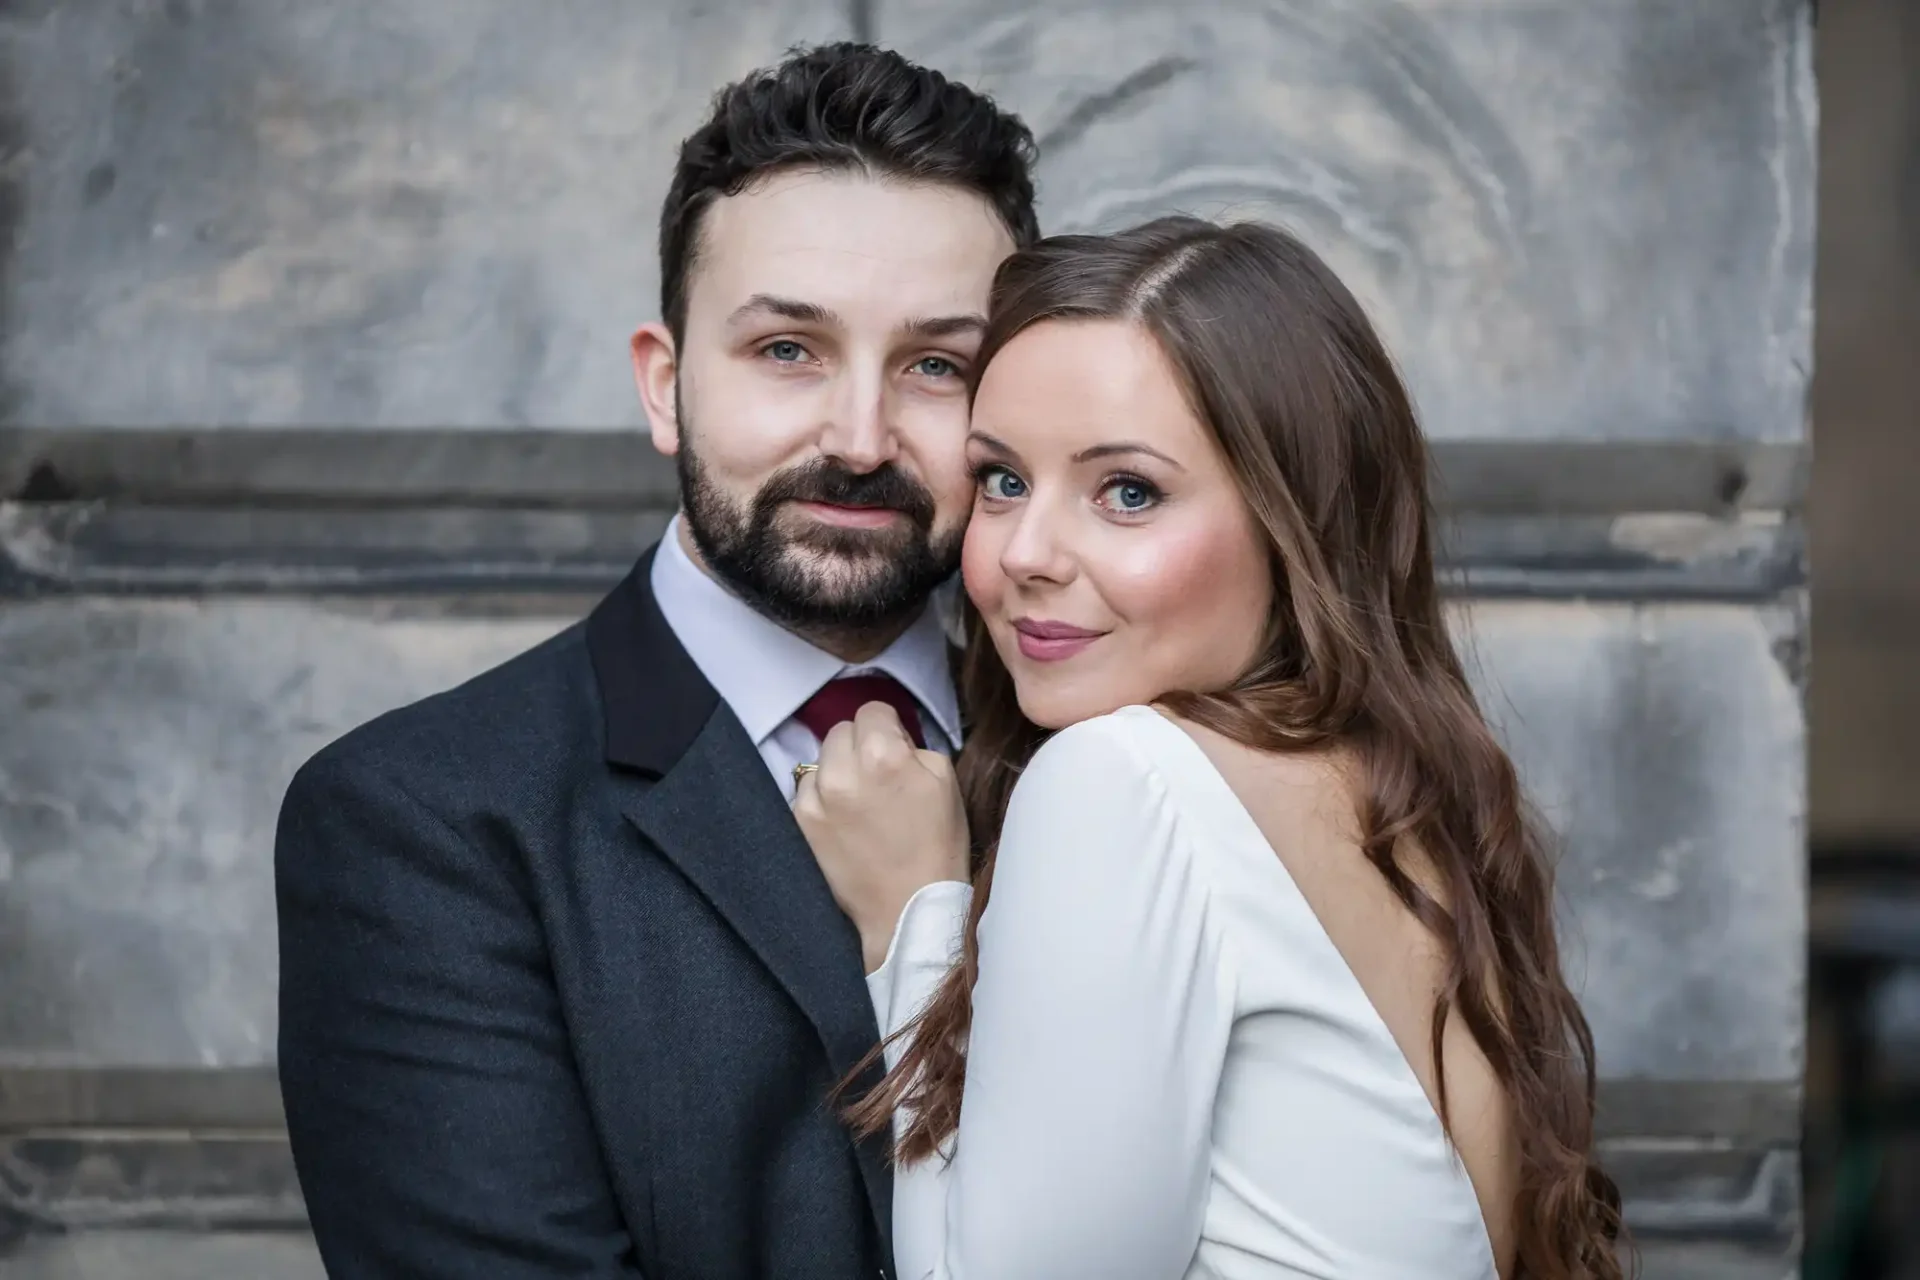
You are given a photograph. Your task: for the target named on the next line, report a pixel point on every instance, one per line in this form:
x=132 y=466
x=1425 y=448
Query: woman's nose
x=1038 y=549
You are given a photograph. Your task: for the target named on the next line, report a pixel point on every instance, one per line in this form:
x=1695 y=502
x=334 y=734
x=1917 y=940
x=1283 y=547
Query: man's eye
x=786 y=351
x=936 y=367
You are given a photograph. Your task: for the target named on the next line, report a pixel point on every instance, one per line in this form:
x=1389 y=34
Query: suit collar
x=652 y=694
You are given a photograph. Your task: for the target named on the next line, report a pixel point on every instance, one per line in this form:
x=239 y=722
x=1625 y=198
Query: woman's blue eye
x=785 y=351
x=1131 y=495
x=1002 y=485
x=936 y=367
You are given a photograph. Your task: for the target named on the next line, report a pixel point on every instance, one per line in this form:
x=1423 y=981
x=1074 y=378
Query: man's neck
x=852 y=646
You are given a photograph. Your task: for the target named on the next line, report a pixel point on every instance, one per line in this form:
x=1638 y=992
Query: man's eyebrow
x=786 y=308
x=946 y=326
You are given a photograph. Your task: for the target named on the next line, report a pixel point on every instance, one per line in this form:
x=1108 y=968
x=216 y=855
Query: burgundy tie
x=838 y=700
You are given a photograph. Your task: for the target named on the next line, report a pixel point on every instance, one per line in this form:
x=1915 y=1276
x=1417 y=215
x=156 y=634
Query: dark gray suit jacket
x=562 y=989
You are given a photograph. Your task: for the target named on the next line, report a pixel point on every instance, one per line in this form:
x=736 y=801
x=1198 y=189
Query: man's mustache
x=830 y=482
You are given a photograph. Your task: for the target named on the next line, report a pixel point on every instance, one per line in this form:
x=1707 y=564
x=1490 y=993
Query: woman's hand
x=885 y=820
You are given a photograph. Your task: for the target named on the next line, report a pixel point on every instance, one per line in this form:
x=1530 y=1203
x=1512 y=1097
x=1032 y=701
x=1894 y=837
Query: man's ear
x=656 y=372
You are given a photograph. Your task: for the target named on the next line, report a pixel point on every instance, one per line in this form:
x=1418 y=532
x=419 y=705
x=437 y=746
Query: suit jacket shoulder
x=492 y=738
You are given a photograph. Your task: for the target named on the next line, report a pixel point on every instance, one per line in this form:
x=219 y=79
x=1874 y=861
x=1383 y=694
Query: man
x=563 y=991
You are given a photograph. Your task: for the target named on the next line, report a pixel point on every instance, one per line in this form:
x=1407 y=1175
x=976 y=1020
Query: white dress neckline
x=1206 y=773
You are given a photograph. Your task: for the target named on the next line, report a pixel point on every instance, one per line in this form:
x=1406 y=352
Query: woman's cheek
x=1168 y=575
x=980 y=569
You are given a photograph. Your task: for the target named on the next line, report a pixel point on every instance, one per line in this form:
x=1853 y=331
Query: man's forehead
x=863 y=249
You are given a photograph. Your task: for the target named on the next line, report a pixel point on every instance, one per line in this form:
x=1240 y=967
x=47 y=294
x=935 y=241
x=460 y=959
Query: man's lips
x=851 y=517
x=1043 y=640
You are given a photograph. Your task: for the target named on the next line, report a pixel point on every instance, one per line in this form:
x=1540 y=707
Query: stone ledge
x=290 y=1255
x=619 y=470
x=68 y=1180
x=1755 y=1114
x=114 y=548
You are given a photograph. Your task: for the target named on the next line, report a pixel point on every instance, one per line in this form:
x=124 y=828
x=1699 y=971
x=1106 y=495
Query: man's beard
x=813 y=577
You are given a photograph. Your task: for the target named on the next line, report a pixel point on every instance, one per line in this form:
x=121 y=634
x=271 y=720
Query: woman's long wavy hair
x=1319 y=432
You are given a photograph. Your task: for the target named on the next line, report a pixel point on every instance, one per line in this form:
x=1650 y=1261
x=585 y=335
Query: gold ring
x=802 y=770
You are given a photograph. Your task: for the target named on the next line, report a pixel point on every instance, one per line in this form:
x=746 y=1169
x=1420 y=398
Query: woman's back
x=1330 y=909
x=1172 y=1064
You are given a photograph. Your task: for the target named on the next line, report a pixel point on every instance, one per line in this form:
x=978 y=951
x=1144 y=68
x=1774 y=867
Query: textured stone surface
x=170 y=1255
x=149 y=742
x=1571 y=219
x=353 y=213
x=165 y=1255
x=145 y=753
x=1665 y=745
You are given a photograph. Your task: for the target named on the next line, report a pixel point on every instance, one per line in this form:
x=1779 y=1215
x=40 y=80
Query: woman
x=1259 y=976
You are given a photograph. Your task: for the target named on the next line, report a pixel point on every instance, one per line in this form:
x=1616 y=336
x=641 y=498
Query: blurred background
x=1863 y=1069
x=313 y=400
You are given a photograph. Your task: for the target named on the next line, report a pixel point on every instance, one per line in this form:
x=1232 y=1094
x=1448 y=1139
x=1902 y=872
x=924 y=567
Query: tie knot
x=838 y=700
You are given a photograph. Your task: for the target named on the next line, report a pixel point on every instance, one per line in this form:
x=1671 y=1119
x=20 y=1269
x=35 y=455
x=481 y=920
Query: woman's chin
x=1055 y=709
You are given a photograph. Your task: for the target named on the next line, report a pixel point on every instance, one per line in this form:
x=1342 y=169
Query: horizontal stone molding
x=619 y=470
x=1757 y=1114
x=107 y=547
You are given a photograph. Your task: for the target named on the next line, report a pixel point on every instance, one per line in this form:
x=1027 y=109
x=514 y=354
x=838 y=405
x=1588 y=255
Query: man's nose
x=859 y=432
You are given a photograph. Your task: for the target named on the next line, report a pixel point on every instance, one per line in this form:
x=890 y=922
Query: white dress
x=1172 y=1071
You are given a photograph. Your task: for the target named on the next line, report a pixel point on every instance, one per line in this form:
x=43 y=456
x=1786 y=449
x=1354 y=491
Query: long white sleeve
x=926 y=943
x=1101 y=1019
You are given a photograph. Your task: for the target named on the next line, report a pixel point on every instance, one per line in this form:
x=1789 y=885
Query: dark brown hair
x=1320 y=434
x=842 y=106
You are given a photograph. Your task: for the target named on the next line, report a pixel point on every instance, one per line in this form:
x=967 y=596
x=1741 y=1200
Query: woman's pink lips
x=1051 y=641
x=851 y=517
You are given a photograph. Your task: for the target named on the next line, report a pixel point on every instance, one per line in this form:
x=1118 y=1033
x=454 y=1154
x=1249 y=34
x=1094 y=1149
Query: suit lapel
x=721 y=820
x=715 y=813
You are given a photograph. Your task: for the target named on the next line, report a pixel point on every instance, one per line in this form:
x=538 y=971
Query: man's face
x=820 y=392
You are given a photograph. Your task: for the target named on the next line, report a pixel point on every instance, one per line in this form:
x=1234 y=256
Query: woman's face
x=1109 y=553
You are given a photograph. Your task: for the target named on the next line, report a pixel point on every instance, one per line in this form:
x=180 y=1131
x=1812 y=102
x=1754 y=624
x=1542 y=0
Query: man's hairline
x=851 y=169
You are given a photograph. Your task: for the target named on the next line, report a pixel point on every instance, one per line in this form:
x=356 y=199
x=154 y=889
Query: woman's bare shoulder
x=1319 y=781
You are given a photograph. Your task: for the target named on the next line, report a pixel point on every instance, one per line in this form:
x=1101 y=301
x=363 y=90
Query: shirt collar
x=765 y=673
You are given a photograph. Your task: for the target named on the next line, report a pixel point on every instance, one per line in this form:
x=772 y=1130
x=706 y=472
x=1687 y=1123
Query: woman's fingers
x=937 y=763
x=839 y=763
x=867 y=759
x=880 y=737
x=806 y=792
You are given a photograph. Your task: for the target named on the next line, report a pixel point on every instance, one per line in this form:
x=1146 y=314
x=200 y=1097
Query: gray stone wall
x=313 y=400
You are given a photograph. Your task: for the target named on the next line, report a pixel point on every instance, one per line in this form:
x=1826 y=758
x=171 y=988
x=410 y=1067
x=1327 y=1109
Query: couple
x=635 y=956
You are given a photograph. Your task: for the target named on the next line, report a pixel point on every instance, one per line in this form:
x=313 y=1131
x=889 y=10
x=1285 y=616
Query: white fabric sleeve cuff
x=926 y=943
